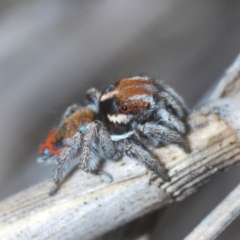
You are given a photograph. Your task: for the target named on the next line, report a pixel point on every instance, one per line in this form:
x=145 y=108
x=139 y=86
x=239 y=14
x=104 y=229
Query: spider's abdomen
x=76 y=122
x=51 y=145
x=58 y=138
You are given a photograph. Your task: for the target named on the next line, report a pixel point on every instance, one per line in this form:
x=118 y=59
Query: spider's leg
x=57 y=172
x=176 y=96
x=88 y=156
x=92 y=98
x=141 y=154
x=169 y=102
x=106 y=142
x=97 y=145
x=155 y=135
x=170 y=120
x=75 y=143
x=67 y=153
x=108 y=149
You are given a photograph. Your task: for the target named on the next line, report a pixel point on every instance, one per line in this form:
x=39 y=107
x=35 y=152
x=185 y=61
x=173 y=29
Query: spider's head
x=49 y=149
x=127 y=99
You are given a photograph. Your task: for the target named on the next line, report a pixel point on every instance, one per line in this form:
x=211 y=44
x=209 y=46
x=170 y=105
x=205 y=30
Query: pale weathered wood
x=86 y=207
x=226 y=212
x=229 y=209
x=229 y=85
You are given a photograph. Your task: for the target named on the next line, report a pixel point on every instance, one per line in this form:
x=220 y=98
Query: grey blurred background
x=52 y=51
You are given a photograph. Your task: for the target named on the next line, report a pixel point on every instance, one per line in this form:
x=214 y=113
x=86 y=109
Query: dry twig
x=219 y=218
x=227 y=211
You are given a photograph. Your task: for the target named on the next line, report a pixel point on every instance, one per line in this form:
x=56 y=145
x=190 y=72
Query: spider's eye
x=124 y=108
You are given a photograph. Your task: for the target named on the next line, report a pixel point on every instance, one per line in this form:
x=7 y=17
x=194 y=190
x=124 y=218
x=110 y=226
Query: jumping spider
x=126 y=119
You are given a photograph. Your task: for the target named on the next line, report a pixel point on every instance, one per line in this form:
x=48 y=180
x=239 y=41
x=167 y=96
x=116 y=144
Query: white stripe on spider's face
x=138 y=78
x=119 y=118
x=108 y=95
x=143 y=97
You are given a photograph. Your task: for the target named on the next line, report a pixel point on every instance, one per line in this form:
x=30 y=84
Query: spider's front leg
x=140 y=153
x=166 y=118
x=169 y=126
x=155 y=135
x=97 y=145
x=167 y=98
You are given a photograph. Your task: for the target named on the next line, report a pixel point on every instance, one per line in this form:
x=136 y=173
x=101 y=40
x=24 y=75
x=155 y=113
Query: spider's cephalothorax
x=152 y=112
x=141 y=100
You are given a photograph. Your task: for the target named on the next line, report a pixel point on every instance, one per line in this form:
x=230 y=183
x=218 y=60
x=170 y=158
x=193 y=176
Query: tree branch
x=85 y=207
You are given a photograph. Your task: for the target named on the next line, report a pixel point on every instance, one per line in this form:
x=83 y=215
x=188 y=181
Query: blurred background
x=52 y=51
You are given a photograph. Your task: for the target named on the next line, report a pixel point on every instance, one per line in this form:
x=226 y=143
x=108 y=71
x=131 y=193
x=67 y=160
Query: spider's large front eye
x=124 y=108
